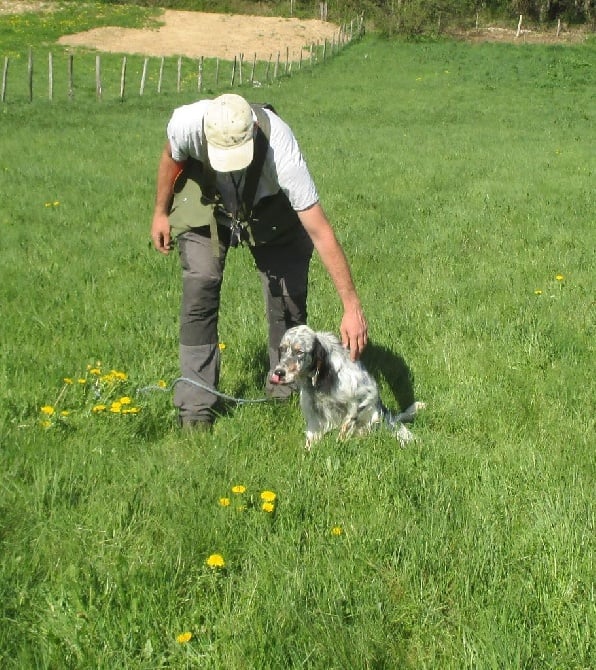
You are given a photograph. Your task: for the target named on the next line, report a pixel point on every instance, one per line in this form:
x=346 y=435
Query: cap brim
x=230 y=159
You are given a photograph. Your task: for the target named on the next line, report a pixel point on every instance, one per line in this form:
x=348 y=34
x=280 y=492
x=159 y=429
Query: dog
x=335 y=392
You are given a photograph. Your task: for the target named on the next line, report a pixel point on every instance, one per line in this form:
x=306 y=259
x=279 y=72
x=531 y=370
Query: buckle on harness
x=236 y=231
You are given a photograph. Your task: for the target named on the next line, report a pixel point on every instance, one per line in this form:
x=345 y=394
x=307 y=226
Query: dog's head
x=301 y=356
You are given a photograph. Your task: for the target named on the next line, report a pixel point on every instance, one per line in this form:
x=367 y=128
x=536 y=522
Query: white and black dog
x=335 y=392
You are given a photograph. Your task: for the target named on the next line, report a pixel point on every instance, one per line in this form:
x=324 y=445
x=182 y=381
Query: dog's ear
x=320 y=362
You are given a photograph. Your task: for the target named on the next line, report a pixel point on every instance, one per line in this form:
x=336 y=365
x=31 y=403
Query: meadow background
x=460 y=179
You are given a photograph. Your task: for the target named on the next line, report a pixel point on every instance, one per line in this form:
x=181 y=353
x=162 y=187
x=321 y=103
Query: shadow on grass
x=384 y=364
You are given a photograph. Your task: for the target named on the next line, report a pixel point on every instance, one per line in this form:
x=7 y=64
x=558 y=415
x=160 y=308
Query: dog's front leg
x=346 y=430
x=348 y=425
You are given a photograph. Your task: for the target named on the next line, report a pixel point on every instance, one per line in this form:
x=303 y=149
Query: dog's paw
x=311 y=438
x=404 y=435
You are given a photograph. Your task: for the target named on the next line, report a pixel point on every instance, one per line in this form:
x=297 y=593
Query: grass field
x=461 y=181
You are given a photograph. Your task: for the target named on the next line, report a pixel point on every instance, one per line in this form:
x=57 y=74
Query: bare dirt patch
x=18 y=7
x=500 y=34
x=196 y=34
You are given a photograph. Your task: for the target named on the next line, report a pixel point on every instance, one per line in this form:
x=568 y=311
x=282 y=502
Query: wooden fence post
x=161 y=64
x=50 y=76
x=233 y=73
x=216 y=72
x=98 y=90
x=4 y=78
x=70 y=76
x=276 y=68
x=268 y=68
x=200 y=76
x=123 y=78
x=252 y=71
x=240 y=61
x=144 y=76
x=519 y=25
x=30 y=74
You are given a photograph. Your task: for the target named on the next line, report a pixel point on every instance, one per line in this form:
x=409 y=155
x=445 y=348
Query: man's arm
x=354 y=329
x=166 y=174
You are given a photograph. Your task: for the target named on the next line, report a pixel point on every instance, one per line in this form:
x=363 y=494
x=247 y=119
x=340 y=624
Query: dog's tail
x=396 y=421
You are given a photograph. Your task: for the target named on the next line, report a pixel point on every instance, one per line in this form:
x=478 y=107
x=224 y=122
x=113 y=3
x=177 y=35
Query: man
x=232 y=173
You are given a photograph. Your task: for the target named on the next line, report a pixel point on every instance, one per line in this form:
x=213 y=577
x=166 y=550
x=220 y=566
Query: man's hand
x=354 y=332
x=160 y=233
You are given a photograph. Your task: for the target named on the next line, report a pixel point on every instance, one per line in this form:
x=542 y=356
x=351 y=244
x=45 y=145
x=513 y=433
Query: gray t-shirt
x=284 y=166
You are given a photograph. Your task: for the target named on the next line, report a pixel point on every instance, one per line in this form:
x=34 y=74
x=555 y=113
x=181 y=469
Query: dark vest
x=196 y=203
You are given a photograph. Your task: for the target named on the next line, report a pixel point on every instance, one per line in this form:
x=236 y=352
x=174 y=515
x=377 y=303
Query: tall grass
x=460 y=180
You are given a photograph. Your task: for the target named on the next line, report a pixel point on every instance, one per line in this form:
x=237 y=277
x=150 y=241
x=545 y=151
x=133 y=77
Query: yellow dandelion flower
x=125 y=400
x=238 y=489
x=215 y=561
x=68 y=380
x=116 y=407
x=131 y=410
x=268 y=507
x=94 y=371
x=225 y=502
x=183 y=638
x=537 y=292
x=98 y=408
x=56 y=203
x=81 y=381
x=337 y=531
x=162 y=384
x=559 y=277
x=221 y=346
x=268 y=496
x=48 y=410
x=122 y=376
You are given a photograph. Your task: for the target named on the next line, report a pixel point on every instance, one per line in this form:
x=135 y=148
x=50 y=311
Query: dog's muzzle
x=278 y=376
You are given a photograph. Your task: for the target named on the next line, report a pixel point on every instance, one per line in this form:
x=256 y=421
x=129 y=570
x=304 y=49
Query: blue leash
x=205 y=387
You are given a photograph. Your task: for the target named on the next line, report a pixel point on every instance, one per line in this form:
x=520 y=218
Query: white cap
x=229 y=131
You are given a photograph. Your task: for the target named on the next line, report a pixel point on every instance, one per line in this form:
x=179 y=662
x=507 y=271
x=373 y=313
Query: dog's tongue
x=275 y=379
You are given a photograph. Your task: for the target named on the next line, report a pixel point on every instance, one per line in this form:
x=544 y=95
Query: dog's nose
x=278 y=376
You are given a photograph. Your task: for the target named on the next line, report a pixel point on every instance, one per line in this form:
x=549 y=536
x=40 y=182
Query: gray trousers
x=283 y=271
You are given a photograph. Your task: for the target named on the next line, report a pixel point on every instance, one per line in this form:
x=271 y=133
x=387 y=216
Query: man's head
x=229 y=131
